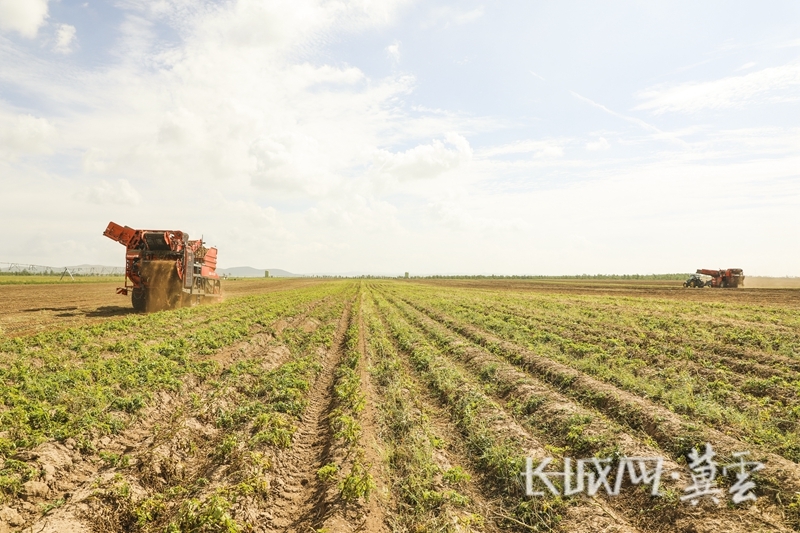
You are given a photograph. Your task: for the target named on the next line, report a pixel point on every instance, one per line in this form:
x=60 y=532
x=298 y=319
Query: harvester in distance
x=166 y=269
x=730 y=278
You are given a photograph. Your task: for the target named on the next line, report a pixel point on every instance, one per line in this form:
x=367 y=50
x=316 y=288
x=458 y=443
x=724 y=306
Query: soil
x=30 y=309
x=668 y=289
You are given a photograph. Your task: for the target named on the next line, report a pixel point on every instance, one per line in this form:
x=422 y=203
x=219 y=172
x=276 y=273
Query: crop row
x=568 y=429
x=254 y=409
x=672 y=434
x=487 y=431
x=91 y=380
x=349 y=401
x=428 y=492
x=762 y=411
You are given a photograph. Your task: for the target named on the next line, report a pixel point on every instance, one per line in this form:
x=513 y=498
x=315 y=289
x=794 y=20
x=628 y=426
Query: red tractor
x=165 y=268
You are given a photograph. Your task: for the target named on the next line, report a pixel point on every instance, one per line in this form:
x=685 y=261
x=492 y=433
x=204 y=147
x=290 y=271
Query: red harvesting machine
x=730 y=278
x=166 y=270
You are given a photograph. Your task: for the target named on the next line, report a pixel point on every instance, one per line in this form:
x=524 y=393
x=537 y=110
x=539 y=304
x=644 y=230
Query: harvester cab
x=165 y=269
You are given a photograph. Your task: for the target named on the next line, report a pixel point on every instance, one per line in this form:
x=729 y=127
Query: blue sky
x=357 y=136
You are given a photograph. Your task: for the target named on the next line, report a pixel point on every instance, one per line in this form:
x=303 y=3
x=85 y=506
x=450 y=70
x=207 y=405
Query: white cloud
x=448 y=15
x=469 y=16
x=23 y=16
x=544 y=149
x=425 y=161
x=290 y=162
x=632 y=120
x=748 y=65
x=104 y=192
x=25 y=134
x=65 y=36
x=393 y=51
x=461 y=214
x=775 y=84
x=600 y=144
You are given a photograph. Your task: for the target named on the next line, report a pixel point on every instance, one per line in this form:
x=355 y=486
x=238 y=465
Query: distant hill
x=250 y=272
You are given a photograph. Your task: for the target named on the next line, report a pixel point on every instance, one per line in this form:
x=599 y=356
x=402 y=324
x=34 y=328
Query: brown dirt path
x=300 y=502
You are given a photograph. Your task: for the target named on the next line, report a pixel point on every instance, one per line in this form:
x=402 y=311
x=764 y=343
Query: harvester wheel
x=139 y=300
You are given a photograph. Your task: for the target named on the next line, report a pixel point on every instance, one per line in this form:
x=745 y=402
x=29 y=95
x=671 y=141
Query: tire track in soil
x=301 y=503
x=668 y=429
x=585 y=515
x=75 y=477
x=376 y=510
x=630 y=503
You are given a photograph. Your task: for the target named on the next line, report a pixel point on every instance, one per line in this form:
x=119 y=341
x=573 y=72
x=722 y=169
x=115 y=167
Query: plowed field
x=304 y=406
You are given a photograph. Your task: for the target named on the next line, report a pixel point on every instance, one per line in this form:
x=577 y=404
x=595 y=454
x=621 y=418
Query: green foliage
x=328 y=473
x=346 y=428
x=272 y=429
x=76 y=382
x=358 y=484
x=456 y=476
x=209 y=516
x=227 y=447
x=115 y=459
x=55 y=504
x=149 y=509
x=500 y=455
x=695 y=359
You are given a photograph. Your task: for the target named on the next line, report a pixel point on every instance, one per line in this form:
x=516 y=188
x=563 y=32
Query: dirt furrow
x=300 y=503
x=376 y=514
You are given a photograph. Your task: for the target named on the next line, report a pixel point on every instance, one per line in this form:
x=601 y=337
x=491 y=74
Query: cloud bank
x=23 y=16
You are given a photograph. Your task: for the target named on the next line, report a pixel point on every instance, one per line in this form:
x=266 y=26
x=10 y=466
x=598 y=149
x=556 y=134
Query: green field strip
x=350 y=472
x=255 y=410
x=499 y=449
x=427 y=495
x=780 y=482
x=570 y=430
x=94 y=380
x=763 y=373
x=771 y=425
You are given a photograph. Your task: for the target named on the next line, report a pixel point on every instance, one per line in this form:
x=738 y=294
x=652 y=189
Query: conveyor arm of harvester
x=121 y=234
